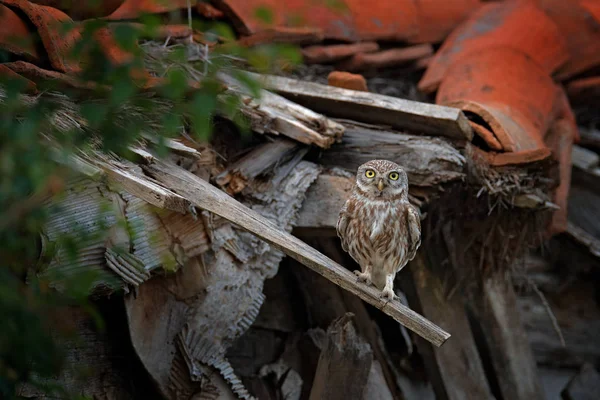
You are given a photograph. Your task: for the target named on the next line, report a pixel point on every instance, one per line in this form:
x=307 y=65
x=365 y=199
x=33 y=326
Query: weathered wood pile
x=214 y=310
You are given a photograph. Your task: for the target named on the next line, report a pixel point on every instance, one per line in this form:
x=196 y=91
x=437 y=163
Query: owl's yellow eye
x=394 y=176
x=370 y=173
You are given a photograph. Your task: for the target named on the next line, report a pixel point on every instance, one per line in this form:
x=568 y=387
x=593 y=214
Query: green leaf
x=200 y=113
x=264 y=14
x=214 y=30
x=94 y=113
x=126 y=36
x=253 y=85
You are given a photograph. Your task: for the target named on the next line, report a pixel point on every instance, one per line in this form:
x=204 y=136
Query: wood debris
x=344 y=364
x=198 y=255
x=373 y=108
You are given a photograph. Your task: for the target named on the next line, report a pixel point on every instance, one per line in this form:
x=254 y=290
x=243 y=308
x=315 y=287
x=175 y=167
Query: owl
x=378 y=226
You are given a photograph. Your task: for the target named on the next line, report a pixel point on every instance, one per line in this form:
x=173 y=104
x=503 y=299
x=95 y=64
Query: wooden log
x=344 y=364
x=428 y=161
x=584 y=386
x=455 y=370
x=207 y=197
x=373 y=108
x=258 y=161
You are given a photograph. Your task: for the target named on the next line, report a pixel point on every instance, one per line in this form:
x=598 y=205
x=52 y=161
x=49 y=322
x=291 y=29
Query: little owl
x=378 y=226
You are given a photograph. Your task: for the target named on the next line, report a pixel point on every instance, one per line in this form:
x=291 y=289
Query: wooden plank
x=589 y=137
x=496 y=308
x=576 y=312
x=583 y=158
x=207 y=197
x=455 y=370
x=373 y=108
x=139 y=186
x=344 y=363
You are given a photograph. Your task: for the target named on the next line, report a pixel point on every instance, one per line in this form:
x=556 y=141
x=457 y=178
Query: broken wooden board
x=207 y=197
x=274 y=114
x=373 y=108
x=344 y=364
x=455 y=370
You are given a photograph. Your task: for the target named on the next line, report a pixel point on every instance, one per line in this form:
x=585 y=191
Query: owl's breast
x=384 y=220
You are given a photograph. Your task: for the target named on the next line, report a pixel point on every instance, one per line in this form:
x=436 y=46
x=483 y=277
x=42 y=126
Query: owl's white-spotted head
x=382 y=180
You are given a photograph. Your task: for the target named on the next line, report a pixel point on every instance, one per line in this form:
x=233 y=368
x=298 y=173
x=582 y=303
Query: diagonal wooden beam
x=205 y=196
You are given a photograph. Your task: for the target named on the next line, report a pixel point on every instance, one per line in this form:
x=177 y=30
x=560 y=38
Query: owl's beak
x=380 y=185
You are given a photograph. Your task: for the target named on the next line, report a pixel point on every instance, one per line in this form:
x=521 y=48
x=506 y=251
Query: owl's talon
x=387 y=294
x=363 y=277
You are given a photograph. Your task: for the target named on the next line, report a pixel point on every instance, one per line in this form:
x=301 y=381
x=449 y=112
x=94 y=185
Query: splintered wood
x=344 y=364
x=207 y=197
x=277 y=115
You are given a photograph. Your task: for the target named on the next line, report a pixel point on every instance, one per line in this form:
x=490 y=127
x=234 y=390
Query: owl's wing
x=342 y=225
x=414 y=230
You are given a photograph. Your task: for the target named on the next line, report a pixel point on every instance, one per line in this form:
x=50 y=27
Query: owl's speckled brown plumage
x=378 y=226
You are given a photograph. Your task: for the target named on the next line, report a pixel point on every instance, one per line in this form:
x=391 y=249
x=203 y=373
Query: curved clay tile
x=500 y=24
x=131 y=9
x=48 y=21
x=415 y=21
x=579 y=23
x=436 y=19
x=82 y=9
x=15 y=36
x=507 y=90
x=335 y=23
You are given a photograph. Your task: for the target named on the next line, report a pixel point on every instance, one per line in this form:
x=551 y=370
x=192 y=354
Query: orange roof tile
x=500 y=24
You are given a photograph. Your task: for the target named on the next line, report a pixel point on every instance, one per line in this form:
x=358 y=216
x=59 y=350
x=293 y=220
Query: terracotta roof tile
x=500 y=24
x=579 y=23
x=413 y=21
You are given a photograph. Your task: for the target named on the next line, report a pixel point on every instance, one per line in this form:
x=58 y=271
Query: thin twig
x=548 y=310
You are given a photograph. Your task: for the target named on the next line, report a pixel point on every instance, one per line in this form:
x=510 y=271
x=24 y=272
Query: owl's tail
x=378 y=278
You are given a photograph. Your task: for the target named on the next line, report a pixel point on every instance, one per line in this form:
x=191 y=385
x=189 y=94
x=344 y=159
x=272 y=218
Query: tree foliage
x=113 y=115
